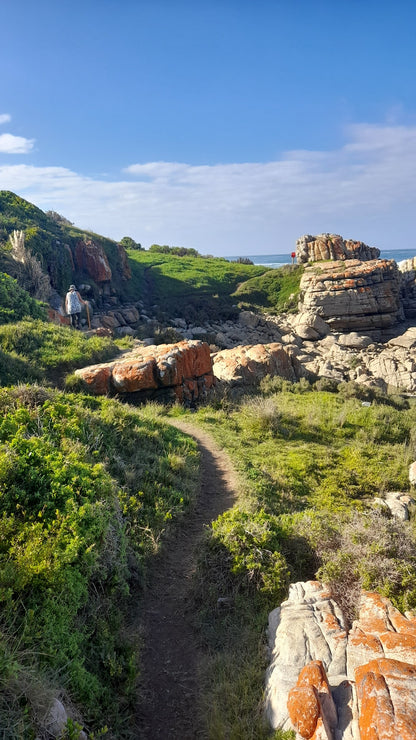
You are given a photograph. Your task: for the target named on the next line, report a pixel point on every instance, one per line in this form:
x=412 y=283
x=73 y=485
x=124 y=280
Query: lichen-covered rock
x=308 y=626
x=387 y=700
x=185 y=367
x=351 y=295
x=332 y=247
x=310 y=704
x=375 y=699
x=249 y=364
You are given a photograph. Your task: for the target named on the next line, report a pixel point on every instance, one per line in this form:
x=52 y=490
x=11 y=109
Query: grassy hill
x=195 y=287
x=199 y=289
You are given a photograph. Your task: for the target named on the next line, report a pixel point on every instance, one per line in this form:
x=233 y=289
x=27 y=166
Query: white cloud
x=5 y=118
x=10 y=144
x=364 y=190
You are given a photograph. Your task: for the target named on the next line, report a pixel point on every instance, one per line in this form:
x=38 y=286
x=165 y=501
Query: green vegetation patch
x=87 y=487
x=276 y=290
x=16 y=303
x=28 y=349
x=311 y=463
x=195 y=287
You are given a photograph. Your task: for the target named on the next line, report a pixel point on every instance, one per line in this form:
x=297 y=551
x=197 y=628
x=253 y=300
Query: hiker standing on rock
x=73 y=303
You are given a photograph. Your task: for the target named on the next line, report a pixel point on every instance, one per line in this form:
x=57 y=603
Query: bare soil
x=171 y=653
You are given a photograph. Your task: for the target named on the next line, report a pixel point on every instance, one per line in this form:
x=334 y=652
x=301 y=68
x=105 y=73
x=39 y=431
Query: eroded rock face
x=332 y=247
x=91 y=259
x=375 y=697
x=350 y=295
x=185 y=367
x=248 y=364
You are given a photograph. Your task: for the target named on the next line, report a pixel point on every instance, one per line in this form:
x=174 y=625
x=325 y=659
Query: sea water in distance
x=278 y=260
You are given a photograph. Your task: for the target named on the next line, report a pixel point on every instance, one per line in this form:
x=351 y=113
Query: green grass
x=276 y=290
x=197 y=288
x=29 y=349
x=311 y=462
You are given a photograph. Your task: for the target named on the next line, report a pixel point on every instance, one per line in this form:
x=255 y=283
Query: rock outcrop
x=350 y=295
x=247 y=365
x=370 y=674
x=332 y=247
x=91 y=259
x=408 y=286
x=184 y=369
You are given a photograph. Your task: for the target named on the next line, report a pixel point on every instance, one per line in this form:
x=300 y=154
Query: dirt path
x=170 y=655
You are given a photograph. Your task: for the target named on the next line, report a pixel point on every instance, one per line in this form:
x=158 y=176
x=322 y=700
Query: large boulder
x=185 y=368
x=247 y=365
x=332 y=247
x=350 y=295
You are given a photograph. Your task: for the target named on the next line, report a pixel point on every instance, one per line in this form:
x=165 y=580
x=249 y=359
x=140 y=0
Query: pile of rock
x=183 y=369
x=328 y=684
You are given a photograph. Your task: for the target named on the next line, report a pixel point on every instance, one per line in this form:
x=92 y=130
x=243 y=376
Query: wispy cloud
x=10 y=144
x=366 y=190
x=5 y=118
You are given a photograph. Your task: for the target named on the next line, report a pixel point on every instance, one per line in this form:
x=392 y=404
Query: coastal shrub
x=363 y=550
x=252 y=540
x=88 y=487
x=16 y=303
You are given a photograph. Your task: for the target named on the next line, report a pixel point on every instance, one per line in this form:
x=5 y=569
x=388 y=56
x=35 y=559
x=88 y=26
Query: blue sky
x=231 y=126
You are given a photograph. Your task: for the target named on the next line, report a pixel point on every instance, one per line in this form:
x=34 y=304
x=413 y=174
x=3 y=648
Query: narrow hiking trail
x=170 y=651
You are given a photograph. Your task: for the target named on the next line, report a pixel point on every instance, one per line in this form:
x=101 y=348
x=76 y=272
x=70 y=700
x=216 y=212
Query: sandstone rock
x=185 y=367
x=332 y=247
x=387 y=700
x=248 y=364
x=352 y=339
x=308 y=626
x=412 y=474
x=310 y=704
x=353 y=296
x=91 y=258
x=310 y=326
x=397 y=503
x=109 y=321
x=248 y=318
x=377 y=698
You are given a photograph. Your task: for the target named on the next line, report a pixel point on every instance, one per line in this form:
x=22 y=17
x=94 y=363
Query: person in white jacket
x=73 y=305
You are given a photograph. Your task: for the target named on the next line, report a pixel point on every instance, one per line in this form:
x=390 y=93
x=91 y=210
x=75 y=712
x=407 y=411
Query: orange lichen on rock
x=185 y=367
x=310 y=704
x=387 y=700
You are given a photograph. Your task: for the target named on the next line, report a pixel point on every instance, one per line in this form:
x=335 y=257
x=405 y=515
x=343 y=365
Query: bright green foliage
x=16 y=303
x=252 y=539
x=87 y=486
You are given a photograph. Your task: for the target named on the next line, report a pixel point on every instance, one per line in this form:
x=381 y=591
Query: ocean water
x=278 y=260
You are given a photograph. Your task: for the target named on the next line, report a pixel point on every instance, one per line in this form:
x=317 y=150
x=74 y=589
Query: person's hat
x=72 y=287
